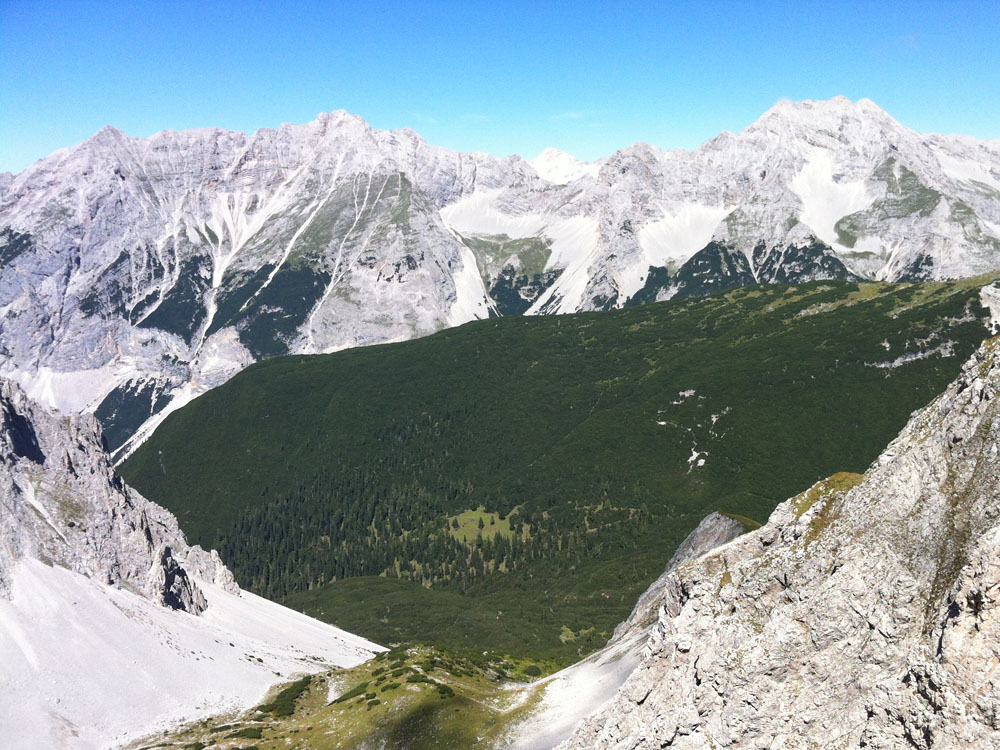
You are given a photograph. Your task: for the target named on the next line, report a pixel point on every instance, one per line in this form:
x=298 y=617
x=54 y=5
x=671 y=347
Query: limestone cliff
x=111 y=625
x=62 y=503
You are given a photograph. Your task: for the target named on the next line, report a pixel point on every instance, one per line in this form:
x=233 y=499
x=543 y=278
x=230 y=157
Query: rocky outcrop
x=864 y=614
x=111 y=625
x=713 y=531
x=136 y=273
x=61 y=502
x=563 y=699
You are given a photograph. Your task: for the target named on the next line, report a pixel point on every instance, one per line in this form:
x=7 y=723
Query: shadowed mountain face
x=137 y=273
x=62 y=503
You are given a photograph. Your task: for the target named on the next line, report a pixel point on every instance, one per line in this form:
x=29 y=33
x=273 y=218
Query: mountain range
x=136 y=273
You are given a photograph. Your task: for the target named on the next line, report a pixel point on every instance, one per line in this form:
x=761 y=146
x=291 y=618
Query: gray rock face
x=60 y=502
x=864 y=614
x=814 y=189
x=714 y=530
x=571 y=694
x=138 y=273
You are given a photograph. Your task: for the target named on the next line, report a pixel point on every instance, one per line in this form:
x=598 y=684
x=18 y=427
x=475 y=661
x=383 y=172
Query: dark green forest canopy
x=588 y=444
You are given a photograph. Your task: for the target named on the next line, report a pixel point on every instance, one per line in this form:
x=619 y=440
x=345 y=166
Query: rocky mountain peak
x=108 y=134
x=809 y=112
x=560 y=168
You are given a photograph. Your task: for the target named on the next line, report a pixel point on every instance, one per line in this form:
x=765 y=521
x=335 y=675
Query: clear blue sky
x=501 y=77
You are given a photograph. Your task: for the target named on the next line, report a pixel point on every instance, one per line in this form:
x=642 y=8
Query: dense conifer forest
x=516 y=483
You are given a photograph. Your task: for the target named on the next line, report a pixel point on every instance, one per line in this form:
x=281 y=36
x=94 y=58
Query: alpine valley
x=596 y=450
x=862 y=614
x=137 y=273
x=437 y=490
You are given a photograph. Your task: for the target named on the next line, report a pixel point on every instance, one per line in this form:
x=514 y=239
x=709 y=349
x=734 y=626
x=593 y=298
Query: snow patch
x=560 y=168
x=573 y=243
x=947 y=349
x=684 y=230
x=470 y=294
x=572 y=694
x=990 y=297
x=720 y=415
x=826 y=197
x=966 y=170
x=88 y=666
x=567 y=293
x=478 y=214
x=76 y=391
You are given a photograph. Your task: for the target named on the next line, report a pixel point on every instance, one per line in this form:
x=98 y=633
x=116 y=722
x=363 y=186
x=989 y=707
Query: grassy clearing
x=838 y=483
x=468 y=525
x=493 y=252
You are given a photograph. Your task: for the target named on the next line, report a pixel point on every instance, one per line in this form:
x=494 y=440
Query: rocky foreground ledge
x=864 y=614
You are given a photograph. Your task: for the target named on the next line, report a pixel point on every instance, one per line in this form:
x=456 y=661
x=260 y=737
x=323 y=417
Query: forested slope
x=587 y=445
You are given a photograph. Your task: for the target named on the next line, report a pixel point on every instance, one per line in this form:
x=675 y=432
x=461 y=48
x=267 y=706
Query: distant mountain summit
x=561 y=168
x=137 y=273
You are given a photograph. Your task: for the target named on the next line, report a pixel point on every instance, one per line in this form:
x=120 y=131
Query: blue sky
x=500 y=77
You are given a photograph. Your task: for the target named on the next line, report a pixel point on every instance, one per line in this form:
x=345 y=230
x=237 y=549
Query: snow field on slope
x=561 y=168
x=574 y=241
x=825 y=200
x=965 y=170
x=87 y=666
x=71 y=392
x=470 y=299
x=684 y=230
